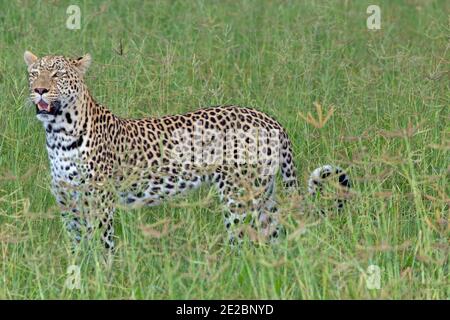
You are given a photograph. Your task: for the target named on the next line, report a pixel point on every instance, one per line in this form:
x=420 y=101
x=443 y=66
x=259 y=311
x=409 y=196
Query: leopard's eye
x=34 y=73
x=59 y=73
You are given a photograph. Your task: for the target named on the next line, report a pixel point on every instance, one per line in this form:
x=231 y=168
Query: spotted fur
x=100 y=161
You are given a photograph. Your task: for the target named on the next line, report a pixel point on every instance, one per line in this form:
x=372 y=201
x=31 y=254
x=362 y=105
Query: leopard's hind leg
x=250 y=207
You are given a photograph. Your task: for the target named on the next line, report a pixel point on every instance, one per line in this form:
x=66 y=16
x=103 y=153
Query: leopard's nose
x=41 y=91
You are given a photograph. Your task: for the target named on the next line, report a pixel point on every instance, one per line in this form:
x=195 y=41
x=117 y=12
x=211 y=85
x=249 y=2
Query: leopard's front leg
x=87 y=210
x=107 y=228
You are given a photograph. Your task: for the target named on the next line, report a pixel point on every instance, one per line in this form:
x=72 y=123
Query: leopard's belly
x=156 y=188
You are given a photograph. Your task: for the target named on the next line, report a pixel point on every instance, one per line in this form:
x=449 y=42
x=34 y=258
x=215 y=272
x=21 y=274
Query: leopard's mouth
x=45 y=108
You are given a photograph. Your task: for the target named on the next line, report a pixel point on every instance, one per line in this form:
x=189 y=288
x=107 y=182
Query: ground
x=389 y=129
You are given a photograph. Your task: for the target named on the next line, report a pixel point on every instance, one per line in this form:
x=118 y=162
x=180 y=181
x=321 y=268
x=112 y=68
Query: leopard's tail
x=317 y=177
x=329 y=172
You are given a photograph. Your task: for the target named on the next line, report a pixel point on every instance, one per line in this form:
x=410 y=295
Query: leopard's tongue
x=43 y=106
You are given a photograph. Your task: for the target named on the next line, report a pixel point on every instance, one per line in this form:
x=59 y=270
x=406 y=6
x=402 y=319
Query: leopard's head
x=55 y=82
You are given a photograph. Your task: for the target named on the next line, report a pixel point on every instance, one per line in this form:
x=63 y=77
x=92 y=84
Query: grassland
x=390 y=130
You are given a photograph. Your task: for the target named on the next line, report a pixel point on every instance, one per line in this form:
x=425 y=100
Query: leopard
x=100 y=162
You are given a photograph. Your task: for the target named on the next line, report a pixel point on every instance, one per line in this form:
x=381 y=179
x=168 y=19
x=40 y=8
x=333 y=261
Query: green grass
x=277 y=56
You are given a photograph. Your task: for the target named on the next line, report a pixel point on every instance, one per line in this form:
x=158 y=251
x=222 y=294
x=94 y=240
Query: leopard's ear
x=83 y=63
x=29 y=58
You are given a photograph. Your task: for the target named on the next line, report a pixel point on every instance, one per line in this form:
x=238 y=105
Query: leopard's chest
x=65 y=154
